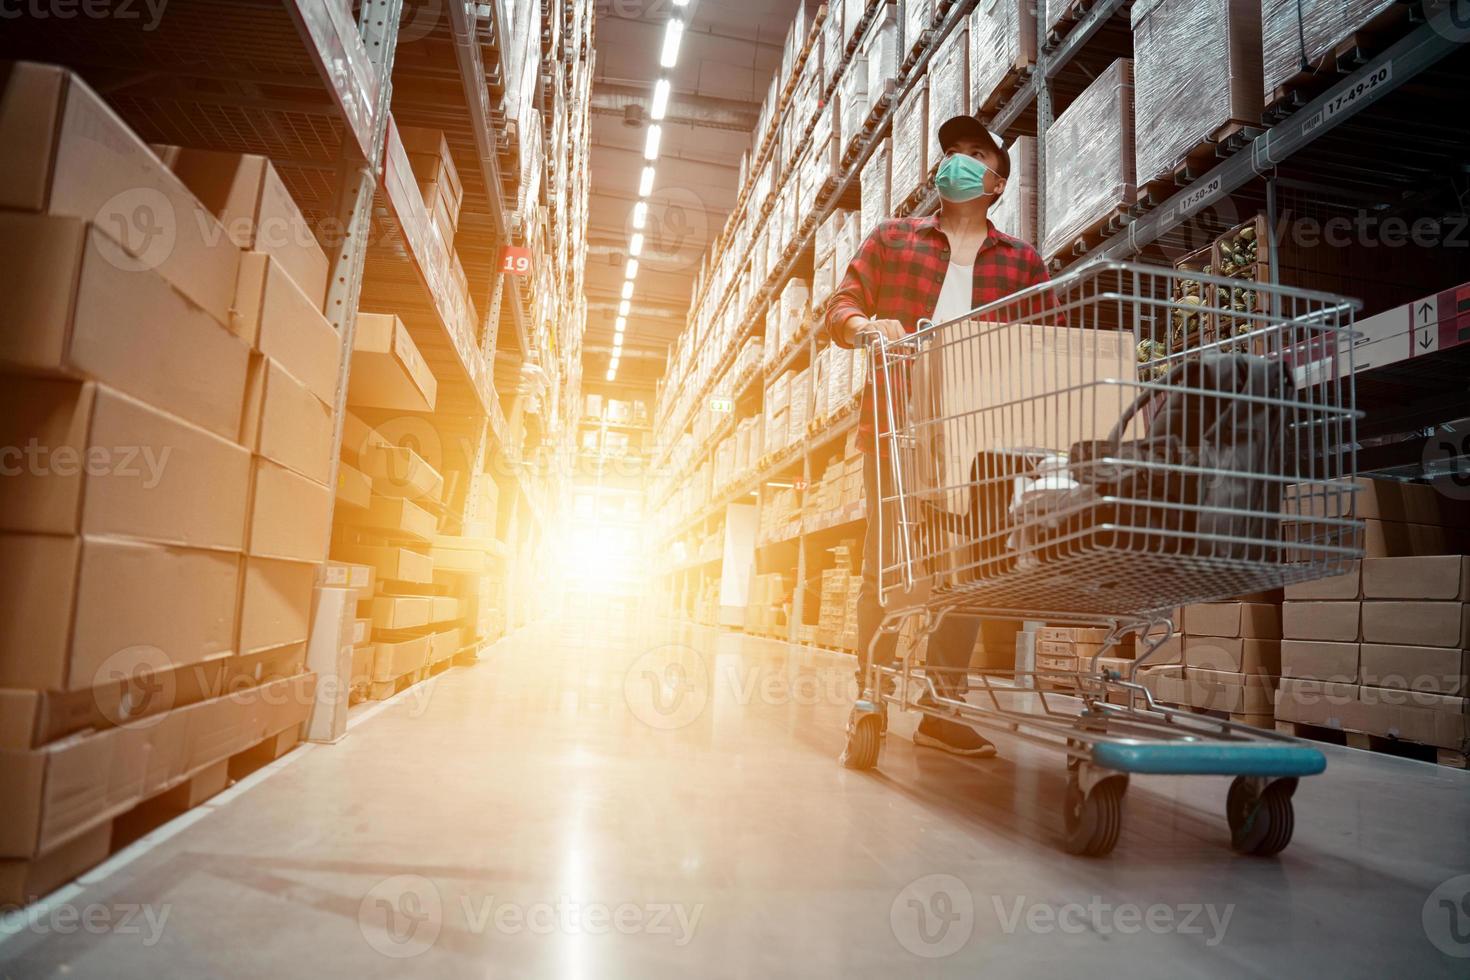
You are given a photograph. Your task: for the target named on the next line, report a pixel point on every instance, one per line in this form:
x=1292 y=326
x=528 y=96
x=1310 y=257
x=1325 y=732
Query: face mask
x=960 y=178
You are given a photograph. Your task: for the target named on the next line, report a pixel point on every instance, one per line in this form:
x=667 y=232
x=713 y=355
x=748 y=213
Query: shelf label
x=722 y=406
x=1198 y=196
x=1425 y=335
x=515 y=260
x=1347 y=99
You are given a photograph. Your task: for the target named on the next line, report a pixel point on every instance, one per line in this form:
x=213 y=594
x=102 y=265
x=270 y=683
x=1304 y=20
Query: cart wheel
x=863 y=740
x=1260 y=823
x=1094 y=820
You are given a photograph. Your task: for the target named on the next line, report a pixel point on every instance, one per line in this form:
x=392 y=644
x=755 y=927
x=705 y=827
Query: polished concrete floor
x=595 y=799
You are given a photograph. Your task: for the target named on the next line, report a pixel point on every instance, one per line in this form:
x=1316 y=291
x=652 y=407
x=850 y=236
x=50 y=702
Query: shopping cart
x=1097 y=451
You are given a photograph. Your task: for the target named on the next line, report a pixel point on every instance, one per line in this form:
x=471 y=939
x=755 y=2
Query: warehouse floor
x=549 y=813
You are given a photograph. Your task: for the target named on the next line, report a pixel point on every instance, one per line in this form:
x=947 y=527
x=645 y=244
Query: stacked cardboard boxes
x=1232 y=657
x=428 y=155
x=141 y=524
x=837 y=611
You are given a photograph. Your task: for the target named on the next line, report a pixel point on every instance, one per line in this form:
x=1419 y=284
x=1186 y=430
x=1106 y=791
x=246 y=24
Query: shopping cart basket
x=1098 y=451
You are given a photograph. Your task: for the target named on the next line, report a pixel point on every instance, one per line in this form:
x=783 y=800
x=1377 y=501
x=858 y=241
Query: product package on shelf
x=1294 y=29
x=1014 y=212
x=916 y=17
x=910 y=145
x=819 y=369
x=875 y=189
x=1002 y=46
x=439 y=183
x=852 y=102
x=949 y=88
x=852 y=18
x=833 y=42
x=1090 y=160
x=1197 y=77
x=880 y=49
x=823 y=281
x=798 y=411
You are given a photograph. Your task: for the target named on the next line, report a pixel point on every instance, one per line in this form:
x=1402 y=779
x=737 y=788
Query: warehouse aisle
x=597 y=800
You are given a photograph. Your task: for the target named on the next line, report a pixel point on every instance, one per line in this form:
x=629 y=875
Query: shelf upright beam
x=357 y=179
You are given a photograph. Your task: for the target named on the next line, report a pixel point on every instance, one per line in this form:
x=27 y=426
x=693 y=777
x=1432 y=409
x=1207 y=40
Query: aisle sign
x=722 y=406
x=516 y=260
x=1425 y=331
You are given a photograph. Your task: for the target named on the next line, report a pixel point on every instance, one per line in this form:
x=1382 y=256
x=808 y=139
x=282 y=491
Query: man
x=937 y=268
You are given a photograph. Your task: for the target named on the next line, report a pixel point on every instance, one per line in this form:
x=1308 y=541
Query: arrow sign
x=1424 y=310
x=1426 y=326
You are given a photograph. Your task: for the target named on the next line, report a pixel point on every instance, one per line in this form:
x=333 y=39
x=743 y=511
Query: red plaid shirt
x=899 y=271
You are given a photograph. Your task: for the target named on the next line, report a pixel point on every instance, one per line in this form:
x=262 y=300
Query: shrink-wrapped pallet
x=949 y=88
x=1292 y=30
x=1196 y=69
x=1014 y=212
x=1090 y=159
x=910 y=166
x=875 y=188
x=880 y=48
x=1002 y=43
x=852 y=101
x=916 y=17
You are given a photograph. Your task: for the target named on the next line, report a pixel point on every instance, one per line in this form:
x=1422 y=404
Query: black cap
x=960 y=129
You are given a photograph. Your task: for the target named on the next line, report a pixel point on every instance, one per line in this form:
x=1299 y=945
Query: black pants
x=951 y=645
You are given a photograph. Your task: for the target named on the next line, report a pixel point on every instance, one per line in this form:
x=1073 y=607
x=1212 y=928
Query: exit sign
x=516 y=260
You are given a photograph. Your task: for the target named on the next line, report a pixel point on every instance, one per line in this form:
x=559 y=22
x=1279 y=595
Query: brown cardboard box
x=1439 y=670
x=85 y=459
x=1424 y=624
x=80 y=609
x=1320 y=660
x=392 y=564
x=359 y=439
x=446 y=608
x=290 y=516
x=1398 y=696
x=402 y=612
x=1379 y=539
x=1217 y=691
x=285 y=422
x=74 y=305
x=1337 y=622
x=1345 y=586
x=458 y=560
x=400 y=472
x=1244 y=619
x=275 y=317
x=1388 y=500
x=1423 y=577
x=394 y=658
x=22 y=882
x=359 y=578
x=64 y=153
x=1437 y=726
x=247 y=195
x=1232 y=654
x=388 y=372
x=275 y=603
x=354 y=489
x=1312 y=702
x=398 y=516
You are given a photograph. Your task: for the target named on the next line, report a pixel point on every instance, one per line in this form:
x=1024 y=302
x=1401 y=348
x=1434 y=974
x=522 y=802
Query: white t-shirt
x=955 y=296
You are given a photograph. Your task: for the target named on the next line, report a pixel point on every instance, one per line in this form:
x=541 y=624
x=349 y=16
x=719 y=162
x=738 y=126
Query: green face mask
x=960 y=178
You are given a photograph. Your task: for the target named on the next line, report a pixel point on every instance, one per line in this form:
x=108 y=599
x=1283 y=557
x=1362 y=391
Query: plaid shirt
x=899 y=271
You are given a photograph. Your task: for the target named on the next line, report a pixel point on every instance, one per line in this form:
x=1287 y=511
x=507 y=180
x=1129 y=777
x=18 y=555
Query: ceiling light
x=650 y=145
x=612 y=365
x=632 y=270
x=635 y=244
x=620 y=324
x=645 y=182
x=640 y=215
x=627 y=289
x=612 y=375
x=672 y=35
x=681 y=3
x=623 y=308
x=660 y=99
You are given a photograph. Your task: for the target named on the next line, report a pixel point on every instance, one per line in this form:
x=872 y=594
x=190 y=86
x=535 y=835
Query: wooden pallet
x=1383 y=744
x=1015 y=78
x=1095 y=233
x=1070 y=15
x=1346 y=56
x=25 y=880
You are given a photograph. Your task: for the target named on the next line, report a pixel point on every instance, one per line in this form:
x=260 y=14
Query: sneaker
x=952 y=737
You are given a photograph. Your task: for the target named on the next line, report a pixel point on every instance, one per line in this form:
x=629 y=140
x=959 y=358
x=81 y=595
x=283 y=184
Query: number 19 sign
x=516 y=260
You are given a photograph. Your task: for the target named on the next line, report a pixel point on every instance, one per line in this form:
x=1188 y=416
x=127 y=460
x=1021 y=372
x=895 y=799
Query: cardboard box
x=329 y=657
x=75 y=306
x=1380 y=500
x=275 y=317
x=359 y=438
x=1232 y=654
x=1253 y=620
x=22 y=882
x=396 y=516
x=64 y=153
x=1423 y=577
x=1320 y=660
x=1446 y=726
x=402 y=612
x=354 y=489
x=1438 y=670
x=359 y=578
x=275 y=603
x=458 y=560
x=79 y=610
x=400 y=472
x=247 y=196
x=1345 y=586
x=1424 y=624
x=85 y=459
x=446 y=608
x=1337 y=622
x=388 y=372
x=394 y=658
x=1313 y=702
x=390 y=563
x=290 y=516
x=285 y=422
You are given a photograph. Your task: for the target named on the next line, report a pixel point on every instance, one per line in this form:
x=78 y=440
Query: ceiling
x=730 y=51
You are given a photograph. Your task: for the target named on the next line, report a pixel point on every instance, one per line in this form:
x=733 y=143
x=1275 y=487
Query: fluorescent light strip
x=640 y=215
x=632 y=269
x=650 y=145
x=620 y=324
x=660 y=106
x=635 y=244
x=627 y=289
x=645 y=182
x=673 y=34
x=623 y=308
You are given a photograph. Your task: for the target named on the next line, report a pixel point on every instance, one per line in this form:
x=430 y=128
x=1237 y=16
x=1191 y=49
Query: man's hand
x=864 y=330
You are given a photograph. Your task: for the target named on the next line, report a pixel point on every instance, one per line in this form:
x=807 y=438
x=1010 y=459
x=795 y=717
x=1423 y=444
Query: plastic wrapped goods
x=880 y=48
x=799 y=403
x=1196 y=68
x=910 y=166
x=852 y=100
x=1014 y=212
x=1002 y=41
x=820 y=366
x=916 y=17
x=875 y=188
x=1090 y=158
x=1291 y=29
x=949 y=88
